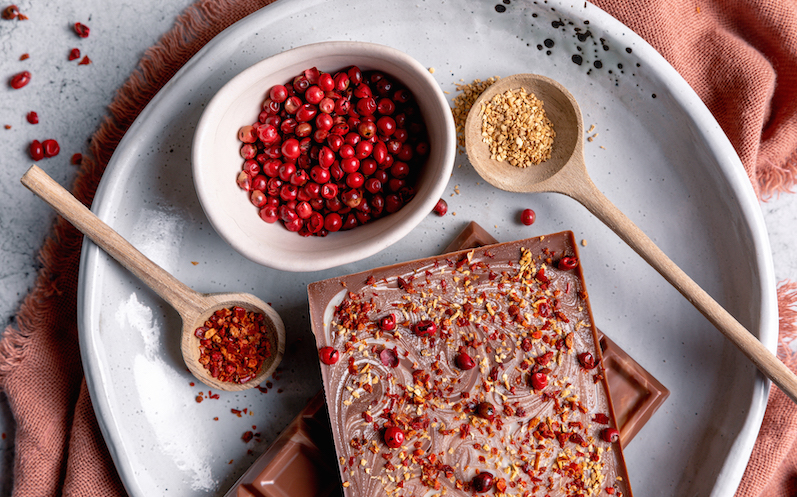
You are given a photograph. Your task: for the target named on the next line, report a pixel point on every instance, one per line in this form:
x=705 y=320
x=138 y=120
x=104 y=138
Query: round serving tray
x=655 y=151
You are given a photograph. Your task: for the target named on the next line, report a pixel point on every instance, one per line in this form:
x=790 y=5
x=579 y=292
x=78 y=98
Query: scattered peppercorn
x=82 y=30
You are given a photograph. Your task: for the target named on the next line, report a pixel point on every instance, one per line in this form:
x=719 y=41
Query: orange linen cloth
x=739 y=55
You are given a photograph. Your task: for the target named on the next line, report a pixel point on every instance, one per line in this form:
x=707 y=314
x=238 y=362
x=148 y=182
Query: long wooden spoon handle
x=164 y=284
x=767 y=363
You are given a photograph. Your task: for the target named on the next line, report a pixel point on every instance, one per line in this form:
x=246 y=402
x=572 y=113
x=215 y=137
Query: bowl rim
x=384 y=231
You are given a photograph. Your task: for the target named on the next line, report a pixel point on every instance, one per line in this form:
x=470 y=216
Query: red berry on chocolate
x=388 y=323
x=567 y=263
x=610 y=435
x=328 y=355
x=464 y=361
x=425 y=328
x=538 y=381
x=389 y=358
x=485 y=410
x=527 y=217
x=482 y=482
x=441 y=207
x=586 y=360
x=394 y=437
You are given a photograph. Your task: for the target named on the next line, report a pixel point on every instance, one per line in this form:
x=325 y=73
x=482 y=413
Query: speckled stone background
x=71 y=101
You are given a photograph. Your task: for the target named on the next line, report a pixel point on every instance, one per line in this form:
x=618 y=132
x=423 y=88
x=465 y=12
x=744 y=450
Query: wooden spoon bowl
x=189 y=343
x=566 y=173
x=563 y=112
x=194 y=308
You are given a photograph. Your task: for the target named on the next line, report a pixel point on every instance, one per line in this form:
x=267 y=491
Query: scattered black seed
x=598 y=64
x=577 y=59
x=539 y=47
x=534 y=15
x=548 y=43
x=582 y=37
x=557 y=24
x=547 y=52
x=619 y=66
x=628 y=49
x=507 y=2
x=500 y=8
x=654 y=95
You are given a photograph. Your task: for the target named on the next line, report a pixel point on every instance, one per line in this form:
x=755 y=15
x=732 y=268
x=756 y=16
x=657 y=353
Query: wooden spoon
x=194 y=308
x=566 y=173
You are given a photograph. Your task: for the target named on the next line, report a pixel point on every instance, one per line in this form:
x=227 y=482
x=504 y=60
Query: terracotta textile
x=739 y=55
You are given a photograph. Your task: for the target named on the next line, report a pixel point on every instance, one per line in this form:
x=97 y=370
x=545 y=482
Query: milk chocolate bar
x=299 y=462
x=305 y=447
x=477 y=371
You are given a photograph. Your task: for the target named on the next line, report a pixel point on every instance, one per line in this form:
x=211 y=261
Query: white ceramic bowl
x=216 y=160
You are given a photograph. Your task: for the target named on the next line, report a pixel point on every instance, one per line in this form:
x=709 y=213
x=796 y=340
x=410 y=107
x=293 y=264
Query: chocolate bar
x=305 y=447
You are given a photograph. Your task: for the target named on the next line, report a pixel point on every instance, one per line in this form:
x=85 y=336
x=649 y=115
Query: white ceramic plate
x=663 y=161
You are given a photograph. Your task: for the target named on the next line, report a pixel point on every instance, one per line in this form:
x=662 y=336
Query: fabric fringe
x=776 y=179
x=787 y=309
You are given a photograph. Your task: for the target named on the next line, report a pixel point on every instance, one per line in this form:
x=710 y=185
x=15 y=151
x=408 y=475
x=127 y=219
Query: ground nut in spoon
x=565 y=172
x=194 y=308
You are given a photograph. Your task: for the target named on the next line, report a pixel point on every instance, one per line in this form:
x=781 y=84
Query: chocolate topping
x=515 y=313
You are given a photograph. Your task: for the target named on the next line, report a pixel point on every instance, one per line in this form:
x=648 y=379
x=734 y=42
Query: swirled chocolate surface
x=516 y=314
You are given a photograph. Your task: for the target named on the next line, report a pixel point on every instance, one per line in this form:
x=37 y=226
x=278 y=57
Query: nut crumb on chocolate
x=530 y=411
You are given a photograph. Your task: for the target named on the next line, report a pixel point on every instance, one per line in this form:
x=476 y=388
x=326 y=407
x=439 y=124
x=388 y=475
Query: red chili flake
x=236 y=412
x=3 y=436
x=243 y=339
x=198 y=399
x=601 y=418
x=191 y=384
x=216 y=418
x=82 y=30
x=247 y=436
x=279 y=390
x=24 y=56
x=74 y=54
x=7 y=126
x=84 y=61
x=33 y=117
